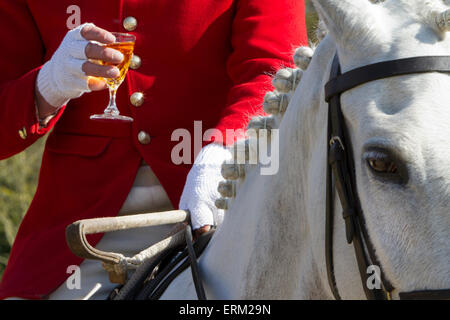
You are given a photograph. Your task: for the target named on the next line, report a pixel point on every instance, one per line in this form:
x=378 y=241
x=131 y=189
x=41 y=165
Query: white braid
x=287 y=79
x=303 y=56
x=259 y=122
x=294 y=80
x=443 y=20
x=280 y=110
x=275 y=103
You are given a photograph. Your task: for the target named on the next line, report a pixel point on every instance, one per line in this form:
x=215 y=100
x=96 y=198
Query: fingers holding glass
x=93 y=33
x=97 y=84
x=114 y=61
x=102 y=53
x=98 y=70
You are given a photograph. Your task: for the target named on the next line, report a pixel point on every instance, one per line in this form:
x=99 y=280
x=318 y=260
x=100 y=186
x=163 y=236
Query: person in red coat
x=194 y=60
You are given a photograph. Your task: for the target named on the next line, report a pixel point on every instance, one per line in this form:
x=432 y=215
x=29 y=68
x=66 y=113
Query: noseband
x=341 y=171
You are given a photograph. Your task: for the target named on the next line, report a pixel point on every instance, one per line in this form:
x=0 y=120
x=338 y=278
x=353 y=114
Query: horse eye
x=385 y=165
x=382 y=166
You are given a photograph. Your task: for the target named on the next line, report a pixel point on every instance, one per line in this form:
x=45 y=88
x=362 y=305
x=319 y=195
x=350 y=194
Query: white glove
x=62 y=77
x=200 y=192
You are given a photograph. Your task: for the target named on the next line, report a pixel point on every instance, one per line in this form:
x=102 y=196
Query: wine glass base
x=109 y=117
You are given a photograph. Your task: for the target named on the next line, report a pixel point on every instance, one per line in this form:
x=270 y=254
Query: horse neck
x=265 y=242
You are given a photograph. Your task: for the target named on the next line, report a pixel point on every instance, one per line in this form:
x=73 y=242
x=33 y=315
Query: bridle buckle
x=337 y=139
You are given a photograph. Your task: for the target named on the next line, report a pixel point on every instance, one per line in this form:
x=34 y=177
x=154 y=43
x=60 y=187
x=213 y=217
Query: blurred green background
x=19 y=176
x=18 y=180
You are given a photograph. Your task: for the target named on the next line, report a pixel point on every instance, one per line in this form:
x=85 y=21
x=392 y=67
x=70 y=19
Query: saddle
x=155 y=267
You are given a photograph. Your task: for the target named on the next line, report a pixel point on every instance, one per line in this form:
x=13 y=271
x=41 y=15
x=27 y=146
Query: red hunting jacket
x=205 y=60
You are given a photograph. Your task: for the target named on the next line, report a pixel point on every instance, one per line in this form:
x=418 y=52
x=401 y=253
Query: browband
x=386 y=69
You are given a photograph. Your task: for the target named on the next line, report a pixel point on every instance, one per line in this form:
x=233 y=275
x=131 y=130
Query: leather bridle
x=341 y=170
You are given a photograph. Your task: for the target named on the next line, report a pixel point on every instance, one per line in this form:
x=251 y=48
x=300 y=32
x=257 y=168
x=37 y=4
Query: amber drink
x=125 y=44
x=126 y=48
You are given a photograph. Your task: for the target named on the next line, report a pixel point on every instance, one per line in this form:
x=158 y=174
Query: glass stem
x=112 y=107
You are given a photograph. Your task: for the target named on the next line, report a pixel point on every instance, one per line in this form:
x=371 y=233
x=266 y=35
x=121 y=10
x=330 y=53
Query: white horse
x=271 y=243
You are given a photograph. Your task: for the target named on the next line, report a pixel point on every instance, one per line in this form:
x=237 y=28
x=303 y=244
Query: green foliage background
x=18 y=181
x=19 y=176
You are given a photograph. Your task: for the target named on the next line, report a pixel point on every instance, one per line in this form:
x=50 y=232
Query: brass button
x=144 y=137
x=137 y=99
x=23 y=133
x=135 y=62
x=130 y=23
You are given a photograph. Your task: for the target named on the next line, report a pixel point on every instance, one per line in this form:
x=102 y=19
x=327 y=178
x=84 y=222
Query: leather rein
x=341 y=171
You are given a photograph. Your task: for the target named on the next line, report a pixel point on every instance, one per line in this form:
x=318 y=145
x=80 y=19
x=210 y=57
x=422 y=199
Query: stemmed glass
x=125 y=44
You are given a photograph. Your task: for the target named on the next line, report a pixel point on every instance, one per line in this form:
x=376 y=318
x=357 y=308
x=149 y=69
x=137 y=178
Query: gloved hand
x=200 y=191
x=66 y=75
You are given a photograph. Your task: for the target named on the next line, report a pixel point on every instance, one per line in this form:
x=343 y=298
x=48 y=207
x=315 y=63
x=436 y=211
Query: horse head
x=399 y=131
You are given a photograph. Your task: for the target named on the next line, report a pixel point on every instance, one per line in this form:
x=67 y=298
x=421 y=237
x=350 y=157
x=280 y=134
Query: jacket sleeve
x=21 y=57
x=264 y=36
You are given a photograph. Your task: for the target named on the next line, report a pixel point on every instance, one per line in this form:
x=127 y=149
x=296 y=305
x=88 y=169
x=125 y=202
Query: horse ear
x=344 y=18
